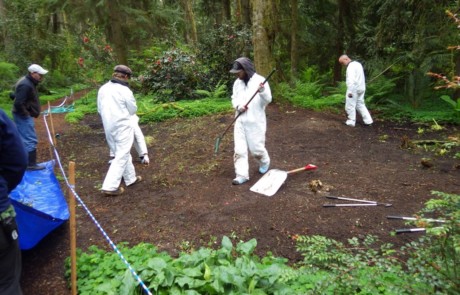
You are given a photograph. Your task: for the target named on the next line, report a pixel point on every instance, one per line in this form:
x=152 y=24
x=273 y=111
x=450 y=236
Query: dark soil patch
x=187 y=195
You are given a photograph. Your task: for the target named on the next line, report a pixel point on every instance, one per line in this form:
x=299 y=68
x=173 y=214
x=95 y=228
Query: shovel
x=269 y=184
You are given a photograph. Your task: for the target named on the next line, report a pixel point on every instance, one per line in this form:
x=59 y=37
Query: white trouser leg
x=350 y=108
x=256 y=144
x=122 y=165
x=362 y=109
x=240 y=157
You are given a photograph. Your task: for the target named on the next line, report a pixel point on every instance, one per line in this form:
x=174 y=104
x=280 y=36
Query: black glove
x=10 y=228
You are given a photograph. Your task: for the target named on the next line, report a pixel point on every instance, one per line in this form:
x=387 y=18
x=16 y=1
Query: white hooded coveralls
x=116 y=105
x=356 y=85
x=250 y=127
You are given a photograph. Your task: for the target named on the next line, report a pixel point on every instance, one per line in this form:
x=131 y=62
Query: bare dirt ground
x=187 y=200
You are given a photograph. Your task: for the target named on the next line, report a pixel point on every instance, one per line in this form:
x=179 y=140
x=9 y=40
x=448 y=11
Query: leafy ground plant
x=228 y=270
x=328 y=267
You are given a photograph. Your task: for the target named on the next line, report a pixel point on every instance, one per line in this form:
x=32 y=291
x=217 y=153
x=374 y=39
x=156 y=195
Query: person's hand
x=350 y=95
x=242 y=109
x=145 y=160
x=261 y=88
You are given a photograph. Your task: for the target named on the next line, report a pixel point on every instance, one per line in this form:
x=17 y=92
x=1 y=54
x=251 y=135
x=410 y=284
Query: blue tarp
x=40 y=205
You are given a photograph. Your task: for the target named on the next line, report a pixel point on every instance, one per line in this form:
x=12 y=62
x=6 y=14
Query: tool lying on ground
x=361 y=202
x=414 y=218
x=412 y=230
x=269 y=184
x=416 y=229
x=219 y=138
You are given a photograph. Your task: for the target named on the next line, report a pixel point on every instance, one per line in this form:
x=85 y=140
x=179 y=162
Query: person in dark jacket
x=26 y=107
x=13 y=163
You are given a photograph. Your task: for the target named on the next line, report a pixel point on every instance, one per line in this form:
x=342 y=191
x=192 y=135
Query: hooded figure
x=250 y=127
x=116 y=105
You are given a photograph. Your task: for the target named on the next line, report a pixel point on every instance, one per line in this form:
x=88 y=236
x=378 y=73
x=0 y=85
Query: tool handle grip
x=400 y=217
x=307 y=167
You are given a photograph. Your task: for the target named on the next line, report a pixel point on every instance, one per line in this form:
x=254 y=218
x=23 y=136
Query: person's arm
x=131 y=103
x=353 y=76
x=238 y=101
x=265 y=92
x=13 y=156
x=20 y=100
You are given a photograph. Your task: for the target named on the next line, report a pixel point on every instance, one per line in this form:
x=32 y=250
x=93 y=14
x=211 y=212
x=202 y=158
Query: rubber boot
x=33 y=161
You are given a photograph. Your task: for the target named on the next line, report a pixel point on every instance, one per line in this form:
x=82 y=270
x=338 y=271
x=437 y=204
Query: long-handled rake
x=219 y=138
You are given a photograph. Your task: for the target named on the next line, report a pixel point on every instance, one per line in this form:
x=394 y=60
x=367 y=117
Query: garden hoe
x=219 y=138
x=269 y=184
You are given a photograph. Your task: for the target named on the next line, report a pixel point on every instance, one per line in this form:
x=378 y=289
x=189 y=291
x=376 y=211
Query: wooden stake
x=73 y=231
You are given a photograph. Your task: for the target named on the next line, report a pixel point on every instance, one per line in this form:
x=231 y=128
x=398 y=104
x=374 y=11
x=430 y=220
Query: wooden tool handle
x=307 y=167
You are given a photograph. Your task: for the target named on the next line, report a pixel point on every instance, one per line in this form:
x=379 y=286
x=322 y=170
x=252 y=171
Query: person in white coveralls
x=356 y=87
x=250 y=127
x=116 y=105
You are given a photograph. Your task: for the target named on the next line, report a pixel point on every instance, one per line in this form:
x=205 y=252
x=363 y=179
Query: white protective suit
x=356 y=85
x=250 y=127
x=116 y=105
x=139 y=139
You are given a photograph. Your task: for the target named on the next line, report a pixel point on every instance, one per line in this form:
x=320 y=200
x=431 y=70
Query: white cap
x=34 y=68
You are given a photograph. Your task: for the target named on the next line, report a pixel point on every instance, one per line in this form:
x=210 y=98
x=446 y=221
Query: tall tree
x=263 y=35
x=294 y=40
x=226 y=10
x=115 y=32
x=190 y=30
x=243 y=11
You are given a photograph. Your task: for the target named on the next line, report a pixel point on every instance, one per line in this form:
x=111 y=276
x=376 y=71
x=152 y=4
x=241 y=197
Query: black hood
x=247 y=65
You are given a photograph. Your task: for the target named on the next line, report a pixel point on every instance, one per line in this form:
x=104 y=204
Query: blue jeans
x=26 y=128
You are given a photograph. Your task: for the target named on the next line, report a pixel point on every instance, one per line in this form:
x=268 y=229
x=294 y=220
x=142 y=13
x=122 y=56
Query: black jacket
x=26 y=101
x=13 y=159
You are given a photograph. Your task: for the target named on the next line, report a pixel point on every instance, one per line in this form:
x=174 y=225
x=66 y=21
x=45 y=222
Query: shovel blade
x=269 y=184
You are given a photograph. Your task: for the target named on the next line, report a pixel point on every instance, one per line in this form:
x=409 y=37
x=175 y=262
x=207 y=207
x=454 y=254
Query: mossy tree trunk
x=263 y=35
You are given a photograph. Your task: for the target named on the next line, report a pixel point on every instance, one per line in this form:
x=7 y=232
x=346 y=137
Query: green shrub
x=10 y=74
x=173 y=76
x=308 y=95
x=228 y=42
